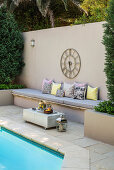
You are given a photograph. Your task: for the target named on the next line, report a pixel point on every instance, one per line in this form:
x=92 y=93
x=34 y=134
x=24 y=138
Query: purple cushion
x=46 y=86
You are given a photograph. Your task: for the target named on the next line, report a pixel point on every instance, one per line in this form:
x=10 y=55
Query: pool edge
x=37 y=143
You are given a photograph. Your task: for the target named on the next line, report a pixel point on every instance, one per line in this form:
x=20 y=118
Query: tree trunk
x=51 y=16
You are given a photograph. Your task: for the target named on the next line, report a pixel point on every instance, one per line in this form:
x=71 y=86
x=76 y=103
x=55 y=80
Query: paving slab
x=101 y=148
x=85 y=142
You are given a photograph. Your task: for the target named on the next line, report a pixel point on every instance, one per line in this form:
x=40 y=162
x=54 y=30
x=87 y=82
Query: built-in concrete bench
x=30 y=97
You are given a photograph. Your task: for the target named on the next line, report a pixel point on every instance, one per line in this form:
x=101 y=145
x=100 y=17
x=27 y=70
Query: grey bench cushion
x=61 y=100
x=38 y=94
x=90 y=104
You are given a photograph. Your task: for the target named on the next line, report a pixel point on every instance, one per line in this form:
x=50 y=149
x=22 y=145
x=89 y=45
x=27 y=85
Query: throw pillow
x=69 y=90
x=79 y=93
x=60 y=93
x=80 y=84
x=46 y=86
x=55 y=87
x=92 y=93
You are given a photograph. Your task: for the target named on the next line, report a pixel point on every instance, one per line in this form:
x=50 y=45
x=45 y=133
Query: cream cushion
x=69 y=90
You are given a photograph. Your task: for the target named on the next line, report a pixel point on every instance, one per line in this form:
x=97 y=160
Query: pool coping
x=32 y=141
x=70 y=161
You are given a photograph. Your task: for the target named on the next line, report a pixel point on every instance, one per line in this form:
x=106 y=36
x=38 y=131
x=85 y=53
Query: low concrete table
x=40 y=118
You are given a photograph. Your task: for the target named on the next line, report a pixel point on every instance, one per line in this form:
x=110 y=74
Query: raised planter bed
x=6 y=97
x=99 y=126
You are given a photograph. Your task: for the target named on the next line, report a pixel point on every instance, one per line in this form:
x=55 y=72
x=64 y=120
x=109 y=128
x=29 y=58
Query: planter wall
x=99 y=126
x=6 y=97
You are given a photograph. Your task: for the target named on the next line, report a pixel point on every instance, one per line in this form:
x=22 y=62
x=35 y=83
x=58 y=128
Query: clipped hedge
x=11 y=48
x=11 y=86
x=108 y=41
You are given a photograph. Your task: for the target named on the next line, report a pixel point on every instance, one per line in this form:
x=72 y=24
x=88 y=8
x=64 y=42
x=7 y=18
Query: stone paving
x=81 y=153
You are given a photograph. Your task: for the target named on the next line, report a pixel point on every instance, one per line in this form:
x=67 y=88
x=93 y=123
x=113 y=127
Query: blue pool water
x=19 y=153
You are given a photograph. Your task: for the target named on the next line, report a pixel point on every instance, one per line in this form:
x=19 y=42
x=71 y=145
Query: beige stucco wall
x=6 y=97
x=43 y=60
x=99 y=126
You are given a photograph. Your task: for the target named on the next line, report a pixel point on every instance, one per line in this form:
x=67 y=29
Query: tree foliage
x=93 y=6
x=43 y=6
x=96 y=10
x=108 y=41
x=41 y=14
x=11 y=47
x=29 y=17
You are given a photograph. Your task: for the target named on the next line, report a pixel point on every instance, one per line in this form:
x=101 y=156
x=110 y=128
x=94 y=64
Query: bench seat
x=89 y=104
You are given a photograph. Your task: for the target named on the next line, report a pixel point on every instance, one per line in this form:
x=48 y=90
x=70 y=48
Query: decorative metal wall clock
x=70 y=63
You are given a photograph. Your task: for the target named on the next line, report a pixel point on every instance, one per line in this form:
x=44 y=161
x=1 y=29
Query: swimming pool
x=19 y=153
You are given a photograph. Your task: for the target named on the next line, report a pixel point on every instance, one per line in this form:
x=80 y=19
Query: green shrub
x=11 y=48
x=108 y=41
x=11 y=86
x=105 y=107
